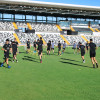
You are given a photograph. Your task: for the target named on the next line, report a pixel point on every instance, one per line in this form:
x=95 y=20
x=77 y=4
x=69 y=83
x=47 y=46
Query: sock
x=97 y=65
x=7 y=65
x=93 y=66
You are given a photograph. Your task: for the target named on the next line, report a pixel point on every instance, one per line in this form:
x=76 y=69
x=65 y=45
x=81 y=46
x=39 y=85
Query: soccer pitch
x=57 y=78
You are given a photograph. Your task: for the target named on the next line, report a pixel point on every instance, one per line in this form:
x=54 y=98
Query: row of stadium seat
x=23 y=37
x=76 y=38
x=6 y=26
x=53 y=37
x=44 y=27
x=6 y=35
x=38 y=27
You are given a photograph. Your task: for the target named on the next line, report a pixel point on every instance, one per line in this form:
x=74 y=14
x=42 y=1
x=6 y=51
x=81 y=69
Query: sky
x=79 y=2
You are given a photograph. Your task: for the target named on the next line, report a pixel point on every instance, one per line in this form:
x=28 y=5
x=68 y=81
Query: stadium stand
x=6 y=26
x=72 y=38
x=55 y=37
x=23 y=37
x=6 y=35
x=20 y=24
x=96 y=39
x=40 y=27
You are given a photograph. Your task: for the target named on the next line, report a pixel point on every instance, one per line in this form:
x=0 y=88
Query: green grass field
x=57 y=78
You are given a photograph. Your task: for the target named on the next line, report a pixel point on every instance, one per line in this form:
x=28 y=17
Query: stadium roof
x=49 y=9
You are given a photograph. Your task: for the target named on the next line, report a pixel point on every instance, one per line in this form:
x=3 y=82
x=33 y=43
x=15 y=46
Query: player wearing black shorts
x=40 y=49
x=78 y=46
x=59 y=48
x=48 y=47
x=82 y=48
x=28 y=45
x=87 y=46
x=52 y=46
x=14 y=49
x=64 y=47
x=37 y=43
x=6 y=48
x=93 y=47
x=34 y=44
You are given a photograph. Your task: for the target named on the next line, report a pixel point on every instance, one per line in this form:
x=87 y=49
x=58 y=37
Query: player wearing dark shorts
x=64 y=46
x=14 y=49
x=40 y=49
x=52 y=46
x=93 y=47
x=28 y=45
x=59 y=48
x=6 y=48
x=82 y=48
x=37 y=43
x=87 y=46
x=74 y=47
x=78 y=46
x=34 y=44
x=48 y=47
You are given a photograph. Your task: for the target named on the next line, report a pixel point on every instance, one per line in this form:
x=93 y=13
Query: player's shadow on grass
x=30 y=59
x=69 y=59
x=21 y=52
x=68 y=52
x=74 y=64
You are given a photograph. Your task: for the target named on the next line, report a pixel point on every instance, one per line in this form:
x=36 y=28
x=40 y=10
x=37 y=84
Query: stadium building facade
x=53 y=21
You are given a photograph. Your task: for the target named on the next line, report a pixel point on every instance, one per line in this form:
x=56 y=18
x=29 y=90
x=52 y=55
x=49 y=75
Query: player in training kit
x=38 y=46
x=40 y=49
x=78 y=46
x=14 y=49
x=64 y=46
x=28 y=45
x=74 y=46
x=6 y=48
x=48 y=47
x=34 y=44
x=87 y=46
x=52 y=46
x=59 y=48
x=82 y=48
x=92 y=47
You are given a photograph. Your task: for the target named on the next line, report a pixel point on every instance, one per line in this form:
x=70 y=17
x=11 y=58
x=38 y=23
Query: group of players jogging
x=38 y=47
x=85 y=48
x=13 y=48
